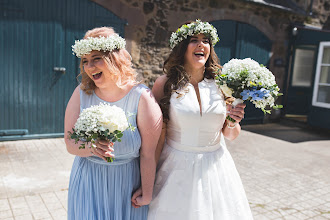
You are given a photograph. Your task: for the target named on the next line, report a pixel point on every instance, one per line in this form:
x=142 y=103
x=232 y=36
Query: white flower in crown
x=194 y=28
x=109 y=43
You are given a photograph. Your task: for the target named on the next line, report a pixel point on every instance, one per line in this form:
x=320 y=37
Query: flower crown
x=109 y=43
x=194 y=28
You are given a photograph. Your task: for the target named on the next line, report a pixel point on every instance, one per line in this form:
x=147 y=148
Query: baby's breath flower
x=194 y=28
x=248 y=80
x=103 y=121
x=101 y=117
x=109 y=43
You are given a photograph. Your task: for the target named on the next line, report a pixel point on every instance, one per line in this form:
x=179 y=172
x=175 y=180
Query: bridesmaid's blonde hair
x=119 y=63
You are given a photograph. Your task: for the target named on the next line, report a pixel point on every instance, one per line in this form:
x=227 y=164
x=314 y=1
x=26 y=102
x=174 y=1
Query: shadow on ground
x=290 y=131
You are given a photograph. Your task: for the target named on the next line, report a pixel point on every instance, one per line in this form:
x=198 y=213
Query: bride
x=196 y=175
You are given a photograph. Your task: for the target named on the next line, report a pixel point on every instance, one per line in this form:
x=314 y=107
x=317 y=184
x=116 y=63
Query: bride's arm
x=158 y=91
x=231 y=130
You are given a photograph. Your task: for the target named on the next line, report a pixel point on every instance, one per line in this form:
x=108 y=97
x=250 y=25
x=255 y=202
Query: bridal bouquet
x=246 y=79
x=101 y=121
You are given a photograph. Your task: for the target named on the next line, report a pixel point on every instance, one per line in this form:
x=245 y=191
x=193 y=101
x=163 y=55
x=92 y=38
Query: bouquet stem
x=236 y=102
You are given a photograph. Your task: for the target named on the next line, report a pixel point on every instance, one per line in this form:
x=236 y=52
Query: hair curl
x=178 y=78
x=118 y=61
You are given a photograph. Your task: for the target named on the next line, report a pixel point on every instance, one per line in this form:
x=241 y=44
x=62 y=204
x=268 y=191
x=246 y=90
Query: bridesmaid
x=98 y=189
x=196 y=175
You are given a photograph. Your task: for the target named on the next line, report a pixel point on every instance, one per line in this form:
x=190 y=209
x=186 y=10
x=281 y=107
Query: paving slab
x=285 y=171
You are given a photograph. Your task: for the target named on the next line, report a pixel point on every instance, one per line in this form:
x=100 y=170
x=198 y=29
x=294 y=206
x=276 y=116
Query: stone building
x=282 y=26
x=290 y=37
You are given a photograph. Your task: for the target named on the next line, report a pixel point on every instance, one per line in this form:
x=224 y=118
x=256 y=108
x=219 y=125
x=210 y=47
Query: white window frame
x=317 y=76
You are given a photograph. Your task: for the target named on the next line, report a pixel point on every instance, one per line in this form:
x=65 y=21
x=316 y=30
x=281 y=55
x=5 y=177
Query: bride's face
x=198 y=51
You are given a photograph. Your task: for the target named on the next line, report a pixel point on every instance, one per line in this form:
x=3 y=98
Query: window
x=321 y=94
x=303 y=66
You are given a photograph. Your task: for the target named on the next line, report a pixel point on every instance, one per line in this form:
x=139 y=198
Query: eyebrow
x=95 y=55
x=197 y=38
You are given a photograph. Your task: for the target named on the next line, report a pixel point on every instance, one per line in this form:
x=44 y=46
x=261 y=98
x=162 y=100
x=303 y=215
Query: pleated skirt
x=103 y=192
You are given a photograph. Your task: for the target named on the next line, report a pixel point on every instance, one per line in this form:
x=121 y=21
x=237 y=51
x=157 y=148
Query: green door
x=38 y=71
x=240 y=40
x=300 y=89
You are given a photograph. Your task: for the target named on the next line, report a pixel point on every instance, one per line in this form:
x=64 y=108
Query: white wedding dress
x=196 y=175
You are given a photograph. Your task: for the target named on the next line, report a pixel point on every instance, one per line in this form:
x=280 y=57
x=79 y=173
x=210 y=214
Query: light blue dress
x=101 y=190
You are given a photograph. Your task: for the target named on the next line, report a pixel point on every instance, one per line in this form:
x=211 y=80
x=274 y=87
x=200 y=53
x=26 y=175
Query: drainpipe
x=311 y=8
x=289 y=66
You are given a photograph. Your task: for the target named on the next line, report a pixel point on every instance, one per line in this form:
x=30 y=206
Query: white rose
x=113 y=118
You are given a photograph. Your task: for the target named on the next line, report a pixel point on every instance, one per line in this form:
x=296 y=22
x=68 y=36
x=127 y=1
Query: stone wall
x=321 y=13
x=150 y=23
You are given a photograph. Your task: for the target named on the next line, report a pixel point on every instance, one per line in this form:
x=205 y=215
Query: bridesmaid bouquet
x=246 y=79
x=101 y=121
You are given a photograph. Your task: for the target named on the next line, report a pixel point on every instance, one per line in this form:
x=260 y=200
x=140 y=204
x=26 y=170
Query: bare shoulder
x=76 y=92
x=75 y=97
x=160 y=81
x=148 y=109
x=147 y=97
x=158 y=88
x=72 y=110
x=74 y=100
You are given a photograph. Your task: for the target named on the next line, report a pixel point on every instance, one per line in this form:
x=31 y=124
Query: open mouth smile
x=97 y=75
x=199 y=54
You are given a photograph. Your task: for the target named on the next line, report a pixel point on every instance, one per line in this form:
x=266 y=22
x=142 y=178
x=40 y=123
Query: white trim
x=317 y=76
x=324 y=84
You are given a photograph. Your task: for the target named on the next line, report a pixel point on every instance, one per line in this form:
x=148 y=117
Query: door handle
x=60 y=69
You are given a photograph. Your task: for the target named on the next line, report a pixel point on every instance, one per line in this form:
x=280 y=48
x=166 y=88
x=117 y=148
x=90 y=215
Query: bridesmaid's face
x=95 y=67
x=198 y=51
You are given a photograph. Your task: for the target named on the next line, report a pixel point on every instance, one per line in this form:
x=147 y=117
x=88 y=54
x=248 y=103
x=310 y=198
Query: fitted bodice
x=192 y=128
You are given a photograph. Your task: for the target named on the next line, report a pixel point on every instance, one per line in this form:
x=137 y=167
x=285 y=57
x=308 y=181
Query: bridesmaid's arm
x=231 y=130
x=102 y=148
x=149 y=122
x=71 y=115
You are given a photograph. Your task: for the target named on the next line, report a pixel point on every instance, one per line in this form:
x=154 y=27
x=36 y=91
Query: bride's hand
x=139 y=200
x=102 y=149
x=236 y=113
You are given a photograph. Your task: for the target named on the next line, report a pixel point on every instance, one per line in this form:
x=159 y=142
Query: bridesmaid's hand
x=138 y=193
x=236 y=113
x=138 y=200
x=102 y=149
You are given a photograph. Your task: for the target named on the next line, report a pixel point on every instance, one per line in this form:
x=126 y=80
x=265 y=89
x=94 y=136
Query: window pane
x=326 y=55
x=324 y=94
x=303 y=68
x=325 y=74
